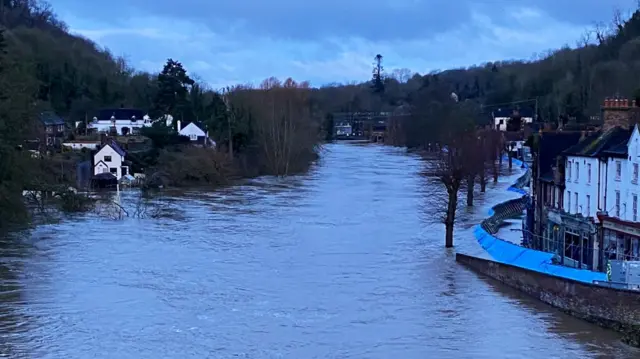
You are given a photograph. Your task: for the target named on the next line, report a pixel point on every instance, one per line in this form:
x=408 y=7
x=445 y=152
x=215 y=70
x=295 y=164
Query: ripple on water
x=344 y=262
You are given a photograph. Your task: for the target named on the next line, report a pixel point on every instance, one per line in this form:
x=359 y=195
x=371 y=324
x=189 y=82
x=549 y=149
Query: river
x=347 y=261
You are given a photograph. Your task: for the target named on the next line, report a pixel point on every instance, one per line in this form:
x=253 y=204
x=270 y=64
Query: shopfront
x=572 y=238
x=620 y=240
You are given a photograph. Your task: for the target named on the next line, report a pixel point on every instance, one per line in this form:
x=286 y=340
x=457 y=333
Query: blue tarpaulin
x=539 y=261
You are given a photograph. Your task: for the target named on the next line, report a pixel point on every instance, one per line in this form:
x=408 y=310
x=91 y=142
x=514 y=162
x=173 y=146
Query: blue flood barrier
x=513 y=254
x=539 y=261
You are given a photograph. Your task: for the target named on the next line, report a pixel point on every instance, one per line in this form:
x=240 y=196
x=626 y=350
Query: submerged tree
x=453 y=164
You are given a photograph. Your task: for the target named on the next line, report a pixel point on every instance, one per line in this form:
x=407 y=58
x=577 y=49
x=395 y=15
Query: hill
x=568 y=82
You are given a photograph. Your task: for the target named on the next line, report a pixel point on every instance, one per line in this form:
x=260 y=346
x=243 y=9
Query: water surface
x=344 y=262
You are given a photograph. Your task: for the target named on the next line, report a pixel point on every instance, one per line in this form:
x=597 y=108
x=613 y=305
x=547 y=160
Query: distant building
x=110 y=159
x=79 y=145
x=53 y=129
x=344 y=129
x=502 y=116
x=122 y=121
x=196 y=134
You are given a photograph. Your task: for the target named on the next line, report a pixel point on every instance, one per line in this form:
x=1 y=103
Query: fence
x=513 y=254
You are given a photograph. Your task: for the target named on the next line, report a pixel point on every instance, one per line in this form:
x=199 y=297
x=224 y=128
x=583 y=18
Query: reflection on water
x=344 y=262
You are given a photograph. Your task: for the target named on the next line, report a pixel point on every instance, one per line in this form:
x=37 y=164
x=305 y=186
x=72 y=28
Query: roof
x=51 y=119
x=120 y=114
x=116 y=147
x=113 y=144
x=550 y=145
x=599 y=142
x=509 y=111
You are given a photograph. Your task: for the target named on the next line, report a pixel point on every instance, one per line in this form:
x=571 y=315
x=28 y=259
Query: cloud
x=242 y=41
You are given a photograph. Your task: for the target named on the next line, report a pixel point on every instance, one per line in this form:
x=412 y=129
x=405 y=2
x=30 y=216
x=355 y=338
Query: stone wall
x=611 y=308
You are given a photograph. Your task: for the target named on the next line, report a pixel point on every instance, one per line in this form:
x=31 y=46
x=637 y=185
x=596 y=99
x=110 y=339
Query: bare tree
x=452 y=165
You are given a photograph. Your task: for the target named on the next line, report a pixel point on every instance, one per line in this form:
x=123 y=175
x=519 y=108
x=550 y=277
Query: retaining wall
x=611 y=308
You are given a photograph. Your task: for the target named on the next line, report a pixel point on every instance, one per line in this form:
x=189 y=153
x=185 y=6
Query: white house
x=110 y=159
x=502 y=116
x=123 y=121
x=620 y=221
x=591 y=169
x=601 y=184
x=195 y=134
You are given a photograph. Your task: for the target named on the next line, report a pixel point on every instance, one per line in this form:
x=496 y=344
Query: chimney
x=633 y=103
x=616 y=113
x=179 y=125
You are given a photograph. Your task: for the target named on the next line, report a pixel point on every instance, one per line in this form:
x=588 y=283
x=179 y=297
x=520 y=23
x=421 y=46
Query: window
x=635 y=173
x=618 y=204
x=589 y=173
x=575 y=205
x=49 y=129
x=588 y=206
x=193 y=137
x=618 y=170
x=113 y=170
x=569 y=200
x=635 y=207
x=569 y=170
x=577 y=172
x=61 y=128
x=107 y=158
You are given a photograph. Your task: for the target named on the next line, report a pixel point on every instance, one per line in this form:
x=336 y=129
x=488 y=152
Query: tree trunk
x=471 y=180
x=495 y=172
x=483 y=180
x=451 y=218
x=510 y=161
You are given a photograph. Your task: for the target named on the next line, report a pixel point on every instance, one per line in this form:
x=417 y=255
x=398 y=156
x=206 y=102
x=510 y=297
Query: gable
x=107 y=150
x=192 y=129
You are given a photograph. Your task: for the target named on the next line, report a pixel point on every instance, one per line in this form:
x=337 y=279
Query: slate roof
x=199 y=124
x=51 y=119
x=599 y=142
x=116 y=147
x=550 y=145
x=120 y=114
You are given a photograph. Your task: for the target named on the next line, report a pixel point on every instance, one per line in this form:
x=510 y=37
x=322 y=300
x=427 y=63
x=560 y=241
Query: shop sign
x=621 y=228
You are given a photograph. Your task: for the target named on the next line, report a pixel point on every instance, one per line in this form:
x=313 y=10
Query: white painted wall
x=80 y=145
x=105 y=126
x=623 y=182
x=503 y=126
x=581 y=186
x=114 y=163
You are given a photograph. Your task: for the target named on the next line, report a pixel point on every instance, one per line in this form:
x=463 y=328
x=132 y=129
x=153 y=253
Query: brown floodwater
x=346 y=261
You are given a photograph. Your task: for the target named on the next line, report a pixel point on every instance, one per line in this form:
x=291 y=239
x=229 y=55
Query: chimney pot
x=633 y=103
x=626 y=102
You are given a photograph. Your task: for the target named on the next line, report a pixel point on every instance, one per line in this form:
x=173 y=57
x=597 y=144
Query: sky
x=226 y=42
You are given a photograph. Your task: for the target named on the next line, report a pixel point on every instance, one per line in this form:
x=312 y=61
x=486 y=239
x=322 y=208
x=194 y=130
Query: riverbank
x=533 y=273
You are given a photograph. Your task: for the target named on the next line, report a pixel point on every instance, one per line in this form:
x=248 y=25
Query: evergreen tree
x=172 y=97
x=377 y=82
